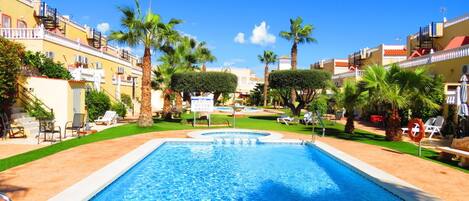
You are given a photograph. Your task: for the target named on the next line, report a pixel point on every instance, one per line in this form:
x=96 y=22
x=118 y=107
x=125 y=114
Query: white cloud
x=239 y=38
x=261 y=35
x=103 y=27
x=188 y=35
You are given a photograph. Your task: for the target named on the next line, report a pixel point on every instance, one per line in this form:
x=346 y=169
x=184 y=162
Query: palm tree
x=350 y=98
x=149 y=31
x=385 y=90
x=269 y=57
x=204 y=55
x=298 y=34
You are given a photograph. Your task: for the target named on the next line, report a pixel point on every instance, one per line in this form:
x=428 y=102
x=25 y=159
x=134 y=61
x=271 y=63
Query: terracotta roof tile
x=341 y=64
x=402 y=52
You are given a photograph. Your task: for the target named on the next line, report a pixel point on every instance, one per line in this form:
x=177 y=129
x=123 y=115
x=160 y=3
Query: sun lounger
x=287 y=120
x=110 y=117
x=436 y=127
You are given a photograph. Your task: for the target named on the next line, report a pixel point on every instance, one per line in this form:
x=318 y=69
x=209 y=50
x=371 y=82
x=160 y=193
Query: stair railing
x=27 y=98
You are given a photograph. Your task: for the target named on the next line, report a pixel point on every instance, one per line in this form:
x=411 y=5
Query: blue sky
x=341 y=27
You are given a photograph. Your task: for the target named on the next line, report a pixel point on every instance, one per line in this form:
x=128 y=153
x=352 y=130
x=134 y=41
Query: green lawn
x=255 y=122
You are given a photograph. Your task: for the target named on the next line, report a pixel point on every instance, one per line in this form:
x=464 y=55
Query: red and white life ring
x=416 y=137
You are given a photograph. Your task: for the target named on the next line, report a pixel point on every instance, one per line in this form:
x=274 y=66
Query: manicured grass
x=254 y=122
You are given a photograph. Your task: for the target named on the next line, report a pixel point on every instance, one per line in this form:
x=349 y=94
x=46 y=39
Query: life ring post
x=418 y=136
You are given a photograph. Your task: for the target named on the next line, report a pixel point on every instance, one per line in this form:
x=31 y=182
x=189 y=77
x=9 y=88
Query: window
x=6 y=21
x=50 y=55
x=21 y=24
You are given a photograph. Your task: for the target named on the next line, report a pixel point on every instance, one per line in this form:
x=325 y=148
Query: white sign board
x=202 y=104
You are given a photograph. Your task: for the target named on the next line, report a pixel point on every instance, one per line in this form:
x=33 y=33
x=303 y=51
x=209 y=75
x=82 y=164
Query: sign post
x=202 y=104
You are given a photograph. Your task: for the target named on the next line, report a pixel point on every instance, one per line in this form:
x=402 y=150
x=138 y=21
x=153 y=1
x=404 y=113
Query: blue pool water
x=230 y=109
x=195 y=171
x=235 y=134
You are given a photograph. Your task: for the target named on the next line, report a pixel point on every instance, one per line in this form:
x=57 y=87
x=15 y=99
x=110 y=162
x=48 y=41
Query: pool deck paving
x=46 y=177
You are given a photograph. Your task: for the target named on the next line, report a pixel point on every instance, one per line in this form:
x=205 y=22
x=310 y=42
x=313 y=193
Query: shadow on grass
x=263 y=117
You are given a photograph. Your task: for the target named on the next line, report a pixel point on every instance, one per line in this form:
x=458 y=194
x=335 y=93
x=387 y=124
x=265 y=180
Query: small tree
x=204 y=82
x=306 y=84
x=256 y=95
x=10 y=63
x=98 y=103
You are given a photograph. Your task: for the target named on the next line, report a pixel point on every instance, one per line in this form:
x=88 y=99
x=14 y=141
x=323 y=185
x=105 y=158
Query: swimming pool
x=205 y=171
x=234 y=133
x=200 y=169
x=245 y=110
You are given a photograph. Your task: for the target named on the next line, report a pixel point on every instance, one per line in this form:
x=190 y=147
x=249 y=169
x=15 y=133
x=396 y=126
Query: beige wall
x=57 y=94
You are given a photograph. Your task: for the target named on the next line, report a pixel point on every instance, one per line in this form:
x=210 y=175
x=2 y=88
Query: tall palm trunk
x=349 y=126
x=266 y=83
x=178 y=102
x=167 y=103
x=146 y=118
x=393 y=129
x=294 y=51
x=204 y=68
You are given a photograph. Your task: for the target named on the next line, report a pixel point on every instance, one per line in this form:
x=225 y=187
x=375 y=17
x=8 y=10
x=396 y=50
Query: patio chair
x=48 y=128
x=436 y=127
x=77 y=124
x=287 y=120
x=9 y=130
x=110 y=117
x=415 y=129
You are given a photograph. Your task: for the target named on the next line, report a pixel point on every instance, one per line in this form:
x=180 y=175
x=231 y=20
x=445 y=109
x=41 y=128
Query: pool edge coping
x=389 y=182
x=199 y=134
x=91 y=185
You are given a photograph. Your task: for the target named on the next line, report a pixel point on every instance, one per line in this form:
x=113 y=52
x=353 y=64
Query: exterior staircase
x=20 y=118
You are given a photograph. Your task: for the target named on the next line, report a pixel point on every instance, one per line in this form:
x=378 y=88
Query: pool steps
x=237 y=141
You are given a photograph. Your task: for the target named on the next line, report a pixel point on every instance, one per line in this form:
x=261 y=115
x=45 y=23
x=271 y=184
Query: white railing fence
x=22 y=33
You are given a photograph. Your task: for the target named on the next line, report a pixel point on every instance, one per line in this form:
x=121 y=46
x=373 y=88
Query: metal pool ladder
x=3 y=197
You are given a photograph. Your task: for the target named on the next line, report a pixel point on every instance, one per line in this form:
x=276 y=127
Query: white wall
x=55 y=94
x=156 y=100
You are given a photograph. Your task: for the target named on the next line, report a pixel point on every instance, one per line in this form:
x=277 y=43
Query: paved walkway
x=42 y=179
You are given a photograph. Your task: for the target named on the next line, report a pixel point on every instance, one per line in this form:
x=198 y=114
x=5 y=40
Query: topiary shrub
x=120 y=109
x=204 y=82
x=307 y=84
x=98 y=103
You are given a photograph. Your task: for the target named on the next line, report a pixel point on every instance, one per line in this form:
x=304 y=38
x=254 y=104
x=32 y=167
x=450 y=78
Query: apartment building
x=334 y=66
x=84 y=51
x=361 y=59
x=284 y=63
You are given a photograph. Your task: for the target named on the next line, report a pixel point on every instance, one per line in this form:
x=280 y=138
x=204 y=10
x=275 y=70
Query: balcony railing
x=356 y=74
x=42 y=34
x=445 y=55
x=22 y=33
x=440 y=56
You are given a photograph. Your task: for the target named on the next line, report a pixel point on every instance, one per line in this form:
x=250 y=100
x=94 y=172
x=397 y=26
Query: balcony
x=356 y=74
x=24 y=33
x=440 y=56
x=43 y=34
x=86 y=74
